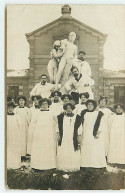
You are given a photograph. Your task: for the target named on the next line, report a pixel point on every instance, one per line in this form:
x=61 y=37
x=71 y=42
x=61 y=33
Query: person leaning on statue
x=43 y=88
x=79 y=84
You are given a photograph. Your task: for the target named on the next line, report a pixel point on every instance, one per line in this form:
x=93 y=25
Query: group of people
x=59 y=133
x=65 y=128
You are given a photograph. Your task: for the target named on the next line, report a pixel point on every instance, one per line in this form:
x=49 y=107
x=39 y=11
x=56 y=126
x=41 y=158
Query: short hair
x=11 y=104
x=82 y=52
x=74 y=67
x=21 y=97
x=42 y=100
x=103 y=97
x=86 y=94
x=91 y=101
x=68 y=104
x=43 y=75
x=38 y=97
x=54 y=92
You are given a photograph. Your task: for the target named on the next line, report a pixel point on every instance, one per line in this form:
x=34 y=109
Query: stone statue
x=67 y=59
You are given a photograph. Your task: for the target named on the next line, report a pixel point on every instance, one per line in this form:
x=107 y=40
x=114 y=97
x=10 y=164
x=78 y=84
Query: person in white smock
x=34 y=110
x=82 y=105
x=14 y=131
x=92 y=147
x=107 y=113
x=43 y=88
x=116 y=152
x=56 y=106
x=69 y=131
x=44 y=139
x=83 y=65
x=79 y=84
x=24 y=114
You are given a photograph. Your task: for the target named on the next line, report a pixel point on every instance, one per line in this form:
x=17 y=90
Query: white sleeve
x=33 y=91
x=68 y=85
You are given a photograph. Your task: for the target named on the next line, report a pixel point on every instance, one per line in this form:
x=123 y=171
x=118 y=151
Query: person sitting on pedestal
x=79 y=84
x=43 y=88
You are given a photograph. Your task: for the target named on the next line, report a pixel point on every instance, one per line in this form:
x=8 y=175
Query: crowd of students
x=59 y=134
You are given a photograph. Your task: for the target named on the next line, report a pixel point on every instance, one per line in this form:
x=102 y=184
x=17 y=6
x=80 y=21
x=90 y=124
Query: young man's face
x=10 y=109
x=83 y=99
x=119 y=109
x=75 y=72
x=69 y=109
x=36 y=101
x=81 y=56
x=103 y=103
x=43 y=80
x=56 y=96
x=90 y=106
x=21 y=102
x=44 y=106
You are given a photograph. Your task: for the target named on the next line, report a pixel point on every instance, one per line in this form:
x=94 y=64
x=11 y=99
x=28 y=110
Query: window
x=119 y=94
x=13 y=91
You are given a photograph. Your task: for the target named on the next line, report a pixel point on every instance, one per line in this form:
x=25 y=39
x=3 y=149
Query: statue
x=66 y=62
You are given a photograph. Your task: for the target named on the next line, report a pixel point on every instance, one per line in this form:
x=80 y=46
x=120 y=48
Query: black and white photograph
x=65 y=97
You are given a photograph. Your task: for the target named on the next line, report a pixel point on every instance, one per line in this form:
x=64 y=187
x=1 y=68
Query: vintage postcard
x=65 y=97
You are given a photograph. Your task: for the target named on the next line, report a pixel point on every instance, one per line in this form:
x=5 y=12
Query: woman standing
x=14 y=130
x=82 y=105
x=93 y=148
x=107 y=113
x=117 y=136
x=69 y=131
x=44 y=139
x=24 y=114
x=34 y=110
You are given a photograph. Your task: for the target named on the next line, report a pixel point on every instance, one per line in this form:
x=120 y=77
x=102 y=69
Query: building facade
x=41 y=43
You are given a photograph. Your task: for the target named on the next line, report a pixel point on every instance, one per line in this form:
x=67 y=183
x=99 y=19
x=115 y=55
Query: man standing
x=84 y=65
x=79 y=84
x=43 y=88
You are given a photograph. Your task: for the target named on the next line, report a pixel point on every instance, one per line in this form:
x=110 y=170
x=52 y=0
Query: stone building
x=41 y=42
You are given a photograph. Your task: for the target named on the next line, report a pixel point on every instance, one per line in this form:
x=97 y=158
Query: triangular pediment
x=64 y=21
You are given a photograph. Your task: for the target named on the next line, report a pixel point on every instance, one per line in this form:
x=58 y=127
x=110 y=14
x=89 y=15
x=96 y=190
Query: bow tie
x=83 y=103
x=119 y=113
